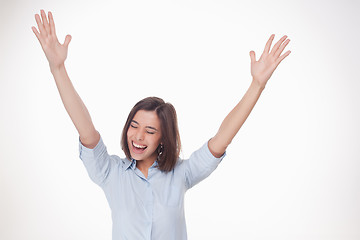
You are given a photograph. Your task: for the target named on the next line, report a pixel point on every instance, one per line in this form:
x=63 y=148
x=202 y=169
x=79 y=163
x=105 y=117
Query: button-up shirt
x=149 y=208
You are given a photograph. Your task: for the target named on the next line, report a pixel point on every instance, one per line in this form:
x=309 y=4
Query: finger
x=281 y=48
x=252 y=57
x=45 y=22
x=52 y=24
x=268 y=44
x=40 y=25
x=282 y=57
x=67 y=40
x=37 y=34
x=277 y=45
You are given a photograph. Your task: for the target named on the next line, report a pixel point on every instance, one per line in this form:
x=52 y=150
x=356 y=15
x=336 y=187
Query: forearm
x=73 y=104
x=261 y=72
x=234 y=120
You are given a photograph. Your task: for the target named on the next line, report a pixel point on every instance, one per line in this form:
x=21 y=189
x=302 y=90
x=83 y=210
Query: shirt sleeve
x=97 y=162
x=200 y=165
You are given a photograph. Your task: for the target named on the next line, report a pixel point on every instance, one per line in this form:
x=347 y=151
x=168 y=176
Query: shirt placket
x=149 y=198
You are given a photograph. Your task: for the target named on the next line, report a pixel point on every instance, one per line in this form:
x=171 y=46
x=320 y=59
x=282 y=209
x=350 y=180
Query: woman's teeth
x=138 y=146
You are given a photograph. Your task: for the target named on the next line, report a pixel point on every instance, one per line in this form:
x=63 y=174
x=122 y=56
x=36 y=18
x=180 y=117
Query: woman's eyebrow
x=146 y=126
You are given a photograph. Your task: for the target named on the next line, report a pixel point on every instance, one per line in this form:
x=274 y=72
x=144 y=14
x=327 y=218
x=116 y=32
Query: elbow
x=216 y=147
x=90 y=141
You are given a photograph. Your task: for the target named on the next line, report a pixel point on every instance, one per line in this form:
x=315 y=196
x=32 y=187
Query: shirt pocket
x=172 y=195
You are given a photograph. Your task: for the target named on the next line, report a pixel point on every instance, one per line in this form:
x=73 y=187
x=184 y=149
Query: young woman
x=146 y=189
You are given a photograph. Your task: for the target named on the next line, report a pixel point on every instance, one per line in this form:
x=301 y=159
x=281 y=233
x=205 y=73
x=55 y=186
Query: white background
x=292 y=172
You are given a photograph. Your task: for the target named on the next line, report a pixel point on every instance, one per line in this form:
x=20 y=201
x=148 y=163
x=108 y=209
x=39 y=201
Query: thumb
x=67 y=40
x=252 y=56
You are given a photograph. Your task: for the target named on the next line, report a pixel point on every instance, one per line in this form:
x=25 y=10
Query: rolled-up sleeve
x=200 y=165
x=97 y=161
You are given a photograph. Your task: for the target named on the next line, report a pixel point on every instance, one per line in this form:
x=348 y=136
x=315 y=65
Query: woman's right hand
x=55 y=52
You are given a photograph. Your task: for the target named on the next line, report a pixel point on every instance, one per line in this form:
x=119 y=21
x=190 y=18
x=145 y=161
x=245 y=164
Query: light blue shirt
x=149 y=208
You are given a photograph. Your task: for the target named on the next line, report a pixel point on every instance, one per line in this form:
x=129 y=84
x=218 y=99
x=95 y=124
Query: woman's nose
x=139 y=135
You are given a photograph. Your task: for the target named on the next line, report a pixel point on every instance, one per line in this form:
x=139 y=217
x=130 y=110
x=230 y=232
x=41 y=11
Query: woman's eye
x=150 y=132
x=132 y=126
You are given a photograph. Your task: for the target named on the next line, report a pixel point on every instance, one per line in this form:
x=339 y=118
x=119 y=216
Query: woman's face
x=144 y=135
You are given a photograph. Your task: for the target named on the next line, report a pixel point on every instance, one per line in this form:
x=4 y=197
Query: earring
x=160 y=151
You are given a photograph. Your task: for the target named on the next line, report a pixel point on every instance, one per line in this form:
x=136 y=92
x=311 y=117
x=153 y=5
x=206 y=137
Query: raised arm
x=56 y=54
x=261 y=71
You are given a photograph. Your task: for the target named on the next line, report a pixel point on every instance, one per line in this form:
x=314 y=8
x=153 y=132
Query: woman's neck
x=144 y=165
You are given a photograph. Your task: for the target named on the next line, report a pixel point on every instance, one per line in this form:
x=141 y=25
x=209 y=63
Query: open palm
x=56 y=53
x=262 y=69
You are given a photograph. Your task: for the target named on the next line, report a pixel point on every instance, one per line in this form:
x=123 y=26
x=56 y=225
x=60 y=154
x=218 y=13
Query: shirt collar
x=154 y=164
x=132 y=164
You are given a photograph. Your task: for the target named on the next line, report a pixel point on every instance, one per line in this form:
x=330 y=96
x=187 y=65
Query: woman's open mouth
x=137 y=148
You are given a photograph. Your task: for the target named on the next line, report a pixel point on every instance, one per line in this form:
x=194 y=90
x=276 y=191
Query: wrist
x=257 y=85
x=57 y=68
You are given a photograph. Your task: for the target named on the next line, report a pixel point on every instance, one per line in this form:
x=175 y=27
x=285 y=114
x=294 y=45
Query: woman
x=146 y=189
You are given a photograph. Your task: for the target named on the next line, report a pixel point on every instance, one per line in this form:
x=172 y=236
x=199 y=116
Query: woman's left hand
x=262 y=69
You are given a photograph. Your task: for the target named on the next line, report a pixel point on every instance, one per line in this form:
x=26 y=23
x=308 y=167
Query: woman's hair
x=170 y=137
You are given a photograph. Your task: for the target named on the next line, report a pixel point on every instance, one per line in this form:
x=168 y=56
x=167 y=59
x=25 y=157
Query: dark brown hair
x=170 y=137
